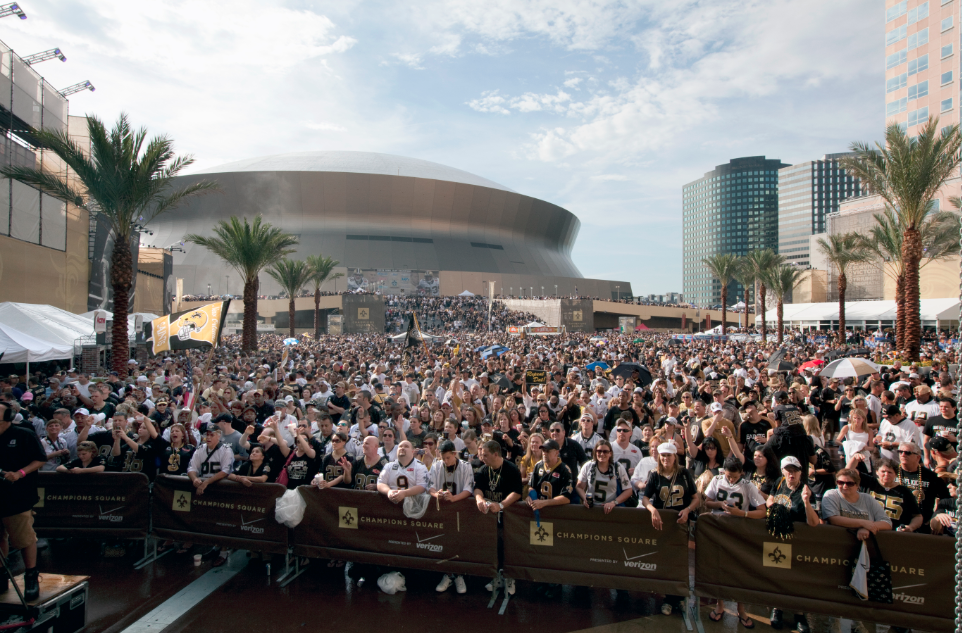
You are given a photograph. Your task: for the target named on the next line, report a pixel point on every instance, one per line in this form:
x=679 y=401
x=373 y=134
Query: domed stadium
x=399 y=225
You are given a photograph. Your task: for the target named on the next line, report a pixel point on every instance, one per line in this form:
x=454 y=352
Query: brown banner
x=96 y=505
x=736 y=559
x=578 y=546
x=228 y=514
x=365 y=527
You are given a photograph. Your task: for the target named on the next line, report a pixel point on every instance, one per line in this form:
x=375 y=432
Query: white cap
x=716 y=406
x=671 y=420
x=790 y=460
x=131 y=362
x=141 y=378
x=206 y=417
x=667 y=448
x=913 y=375
x=81 y=411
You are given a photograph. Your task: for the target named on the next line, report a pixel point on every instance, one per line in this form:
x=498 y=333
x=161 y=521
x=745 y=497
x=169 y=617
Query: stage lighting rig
x=12 y=9
x=83 y=85
x=36 y=58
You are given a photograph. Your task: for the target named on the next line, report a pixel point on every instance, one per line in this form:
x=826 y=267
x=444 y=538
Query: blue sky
x=604 y=108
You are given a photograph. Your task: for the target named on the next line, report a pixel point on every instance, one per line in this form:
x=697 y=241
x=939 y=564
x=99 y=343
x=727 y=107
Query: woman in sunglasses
x=603 y=481
x=846 y=507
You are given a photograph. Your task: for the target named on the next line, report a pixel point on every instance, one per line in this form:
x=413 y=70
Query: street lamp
x=208 y=290
x=542 y=291
x=511 y=291
x=556 y=291
x=618 y=292
x=228 y=284
x=530 y=291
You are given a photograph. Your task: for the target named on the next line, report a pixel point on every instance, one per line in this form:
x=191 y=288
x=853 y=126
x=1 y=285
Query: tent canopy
x=534 y=324
x=858 y=313
x=46 y=323
x=466 y=293
x=131 y=319
x=18 y=347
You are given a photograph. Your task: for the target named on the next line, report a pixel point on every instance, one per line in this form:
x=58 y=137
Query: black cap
x=891 y=410
x=940 y=444
x=550 y=445
x=447 y=446
x=223 y=417
x=781 y=395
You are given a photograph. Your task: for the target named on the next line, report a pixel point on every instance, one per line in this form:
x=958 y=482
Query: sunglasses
x=337 y=441
x=844 y=484
x=429 y=443
x=623 y=430
x=602 y=452
x=907 y=453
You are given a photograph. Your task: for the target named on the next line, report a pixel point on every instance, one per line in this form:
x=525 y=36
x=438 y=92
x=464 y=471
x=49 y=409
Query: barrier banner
x=228 y=514
x=736 y=559
x=364 y=527
x=104 y=505
x=577 y=546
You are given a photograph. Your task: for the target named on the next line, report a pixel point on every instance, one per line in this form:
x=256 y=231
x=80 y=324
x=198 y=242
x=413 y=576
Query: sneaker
x=459 y=585
x=666 y=609
x=361 y=581
x=31 y=584
x=509 y=586
x=490 y=586
x=445 y=584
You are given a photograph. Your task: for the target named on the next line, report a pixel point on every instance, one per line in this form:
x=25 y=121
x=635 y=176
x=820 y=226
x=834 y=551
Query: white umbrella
x=849 y=367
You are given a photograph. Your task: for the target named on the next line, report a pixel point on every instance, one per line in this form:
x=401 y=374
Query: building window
x=896 y=107
x=946 y=24
x=946 y=50
x=918 y=65
x=918 y=39
x=895 y=59
x=896 y=12
x=947 y=78
x=893 y=84
x=918 y=116
x=919 y=90
x=946 y=105
x=919 y=13
x=895 y=35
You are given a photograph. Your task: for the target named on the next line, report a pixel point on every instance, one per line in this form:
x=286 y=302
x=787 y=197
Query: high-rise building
x=806 y=192
x=731 y=209
x=921 y=62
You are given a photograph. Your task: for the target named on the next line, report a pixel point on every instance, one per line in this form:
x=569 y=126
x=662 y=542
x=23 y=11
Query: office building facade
x=731 y=209
x=806 y=192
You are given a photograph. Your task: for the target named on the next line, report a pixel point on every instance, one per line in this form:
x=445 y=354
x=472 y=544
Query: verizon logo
x=431 y=547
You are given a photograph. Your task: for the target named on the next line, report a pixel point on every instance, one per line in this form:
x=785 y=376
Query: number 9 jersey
x=398 y=477
x=551 y=482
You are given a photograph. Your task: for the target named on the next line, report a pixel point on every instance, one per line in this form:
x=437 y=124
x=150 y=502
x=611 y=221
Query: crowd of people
x=713 y=430
x=451 y=315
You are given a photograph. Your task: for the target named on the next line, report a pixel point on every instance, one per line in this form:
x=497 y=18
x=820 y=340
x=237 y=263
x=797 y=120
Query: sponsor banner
x=384 y=281
x=228 y=513
x=736 y=559
x=577 y=546
x=577 y=315
x=536 y=376
x=365 y=527
x=105 y=504
x=544 y=330
x=199 y=327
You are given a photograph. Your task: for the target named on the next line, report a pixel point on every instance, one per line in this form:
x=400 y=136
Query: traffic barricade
x=94 y=505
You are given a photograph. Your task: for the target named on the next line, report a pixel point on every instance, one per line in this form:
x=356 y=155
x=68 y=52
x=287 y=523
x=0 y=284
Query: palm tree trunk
x=761 y=296
x=746 y=307
x=121 y=276
x=249 y=338
x=724 y=303
x=842 y=287
x=317 y=313
x=781 y=320
x=911 y=255
x=290 y=314
x=900 y=312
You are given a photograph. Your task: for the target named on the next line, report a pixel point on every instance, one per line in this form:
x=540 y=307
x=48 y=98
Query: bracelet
x=22 y=474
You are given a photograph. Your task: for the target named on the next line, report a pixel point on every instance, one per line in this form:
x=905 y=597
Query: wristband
x=22 y=474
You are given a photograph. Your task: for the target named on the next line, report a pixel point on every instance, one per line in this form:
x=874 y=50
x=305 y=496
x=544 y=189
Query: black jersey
x=932 y=489
x=791 y=499
x=899 y=502
x=363 y=475
x=551 y=482
x=97 y=460
x=472 y=460
x=496 y=484
x=753 y=434
x=671 y=493
x=174 y=461
x=331 y=469
x=142 y=460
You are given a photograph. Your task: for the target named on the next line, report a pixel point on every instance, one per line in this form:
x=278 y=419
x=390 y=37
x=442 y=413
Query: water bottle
x=590 y=499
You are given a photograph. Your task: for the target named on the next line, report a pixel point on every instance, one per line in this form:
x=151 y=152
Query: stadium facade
x=398 y=225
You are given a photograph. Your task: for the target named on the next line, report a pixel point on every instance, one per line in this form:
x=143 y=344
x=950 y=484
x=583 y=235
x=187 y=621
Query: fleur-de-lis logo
x=776 y=556
x=348 y=517
x=541 y=534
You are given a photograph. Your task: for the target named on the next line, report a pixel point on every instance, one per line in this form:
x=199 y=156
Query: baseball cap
x=550 y=445
x=27 y=397
x=672 y=420
x=923 y=389
x=81 y=411
x=891 y=410
x=447 y=446
x=790 y=460
x=716 y=406
x=940 y=444
x=667 y=449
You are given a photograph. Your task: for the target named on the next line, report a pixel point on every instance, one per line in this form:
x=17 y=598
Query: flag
x=413 y=338
x=188 y=385
x=197 y=328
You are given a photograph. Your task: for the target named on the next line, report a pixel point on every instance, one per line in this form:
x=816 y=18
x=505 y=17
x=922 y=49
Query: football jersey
x=672 y=493
x=398 y=477
x=331 y=469
x=588 y=444
x=899 y=502
x=742 y=494
x=364 y=475
x=604 y=485
x=455 y=479
x=221 y=460
x=550 y=482
x=627 y=457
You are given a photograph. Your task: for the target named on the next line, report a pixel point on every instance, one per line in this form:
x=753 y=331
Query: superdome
x=395 y=223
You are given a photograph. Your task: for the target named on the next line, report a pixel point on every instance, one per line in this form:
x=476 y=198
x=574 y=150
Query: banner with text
x=365 y=527
x=97 y=504
x=228 y=514
x=577 y=546
x=737 y=559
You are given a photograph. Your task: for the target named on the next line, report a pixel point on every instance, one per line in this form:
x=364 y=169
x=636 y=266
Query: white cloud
x=490 y=101
x=411 y=60
x=610 y=177
x=325 y=126
x=573 y=82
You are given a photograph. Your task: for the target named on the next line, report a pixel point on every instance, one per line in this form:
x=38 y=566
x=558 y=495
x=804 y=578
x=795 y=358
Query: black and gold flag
x=191 y=329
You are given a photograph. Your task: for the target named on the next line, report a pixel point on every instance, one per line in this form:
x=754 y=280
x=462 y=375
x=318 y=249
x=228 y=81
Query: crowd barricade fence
x=95 y=505
x=737 y=559
x=227 y=513
x=365 y=527
x=577 y=546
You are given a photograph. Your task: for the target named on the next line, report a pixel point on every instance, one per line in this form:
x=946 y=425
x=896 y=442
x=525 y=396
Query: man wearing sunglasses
x=846 y=507
x=927 y=487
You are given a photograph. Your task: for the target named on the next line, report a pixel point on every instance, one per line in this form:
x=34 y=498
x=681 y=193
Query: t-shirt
x=398 y=477
x=904 y=431
x=97 y=460
x=920 y=413
x=790 y=439
x=938 y=425
x=455 y=479
x=721 y=439
x=866 y=508
x=752 y=434
x=339 y=401
x=603 y=485
x=364 y=475
x=416 y=439
x=932 y=489
x=671 y=493
x=742 y=494
x=898 y=502
x=573 y=455
x=141 y=460
x=174 y=461
x=496 y=484
x=791 y=499
x=302 y=468
x=551 y=482
x=788 y=414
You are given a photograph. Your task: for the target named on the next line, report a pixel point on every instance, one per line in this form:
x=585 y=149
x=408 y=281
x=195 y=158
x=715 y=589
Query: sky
x=606 y=108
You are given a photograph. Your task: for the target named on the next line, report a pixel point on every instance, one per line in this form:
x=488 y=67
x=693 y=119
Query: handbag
x=282 y=478
x=878 y=576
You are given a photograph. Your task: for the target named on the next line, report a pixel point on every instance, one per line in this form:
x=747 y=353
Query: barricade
x=95 y=505
x=364 y=527
x=577 y=546
x=736 y=559
x=227 y=514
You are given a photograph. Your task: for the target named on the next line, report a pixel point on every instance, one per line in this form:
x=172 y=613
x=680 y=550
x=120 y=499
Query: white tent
x=533 y=324
x=861 y=314
x=17 y=347
x=466 y=293
x=424 y=336
x=131 y=319
x=50 y=325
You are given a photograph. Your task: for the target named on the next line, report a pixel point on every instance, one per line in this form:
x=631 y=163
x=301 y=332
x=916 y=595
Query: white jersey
x=915 y=410
x=603 y=486
x=587 y=444
x=390 y=455
x=645 y=466
x=627 y=457
x=455 y=480
x=742 y=494
x=222 y=460
x=399 y=477
x=904 y=431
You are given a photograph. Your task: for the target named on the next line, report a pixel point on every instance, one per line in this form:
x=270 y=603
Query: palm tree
x=292 y=276
x=321 y=270
x=745 y=275
x=940 y=239
x=125 y=182
x=248 y=248
x=723 y=266
x=842 y=250
x=908 y=173
x=782 y=281
x=762 y=263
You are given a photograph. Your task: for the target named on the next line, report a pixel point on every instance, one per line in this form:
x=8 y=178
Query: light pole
x=228 y=284
x=530 y=291
x=556 y=291
x=511 y=291
x=618 y=291
x=208 y=290
x=542 y=291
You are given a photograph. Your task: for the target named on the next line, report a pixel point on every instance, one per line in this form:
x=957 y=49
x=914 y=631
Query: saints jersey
x=899 y=502
x=455 y=479
x=671 y=493
x=174 y=461
x=550 y=482
x=221 y=460
x=398 y=477
x=331 y=469
x=365 y=475
x=588 y=444
x=742 y=494
x=627 y=457
x=604 y=485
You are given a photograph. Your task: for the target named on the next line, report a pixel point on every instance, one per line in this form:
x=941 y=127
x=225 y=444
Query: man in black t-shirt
x=339 y=404
x=21 y=455
x=946 y=425
x=498 y=483
x=927 y=487
x=753 y=432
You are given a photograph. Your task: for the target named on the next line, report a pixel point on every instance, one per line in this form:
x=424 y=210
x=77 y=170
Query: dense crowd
x=451 y=314
x=713 y=429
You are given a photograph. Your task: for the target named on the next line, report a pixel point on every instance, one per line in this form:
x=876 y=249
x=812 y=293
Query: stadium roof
x=358 y=163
